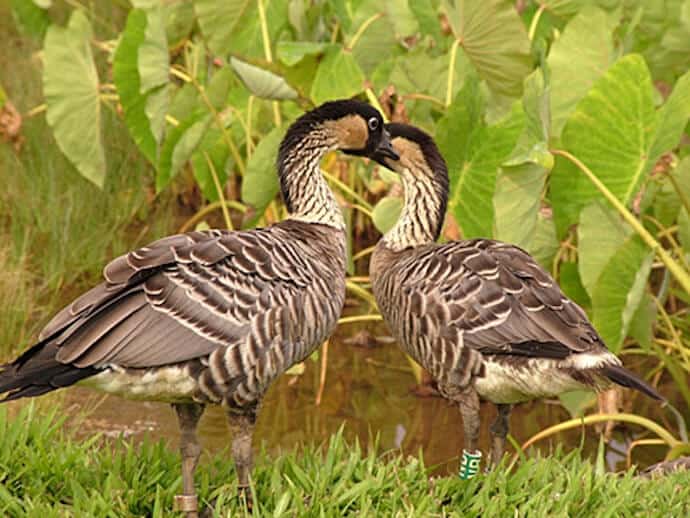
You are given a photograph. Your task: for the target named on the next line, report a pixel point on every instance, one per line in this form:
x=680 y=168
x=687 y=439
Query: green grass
x=44 y=472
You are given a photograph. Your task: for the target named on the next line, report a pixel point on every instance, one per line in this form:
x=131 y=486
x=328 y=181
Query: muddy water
x=367 y=389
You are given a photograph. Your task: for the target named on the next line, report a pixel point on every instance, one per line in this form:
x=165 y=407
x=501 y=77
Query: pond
x=367 y=391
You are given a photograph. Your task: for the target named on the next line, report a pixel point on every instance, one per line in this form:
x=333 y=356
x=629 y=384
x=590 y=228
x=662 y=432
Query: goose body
x=214 y=317
x=480 y=315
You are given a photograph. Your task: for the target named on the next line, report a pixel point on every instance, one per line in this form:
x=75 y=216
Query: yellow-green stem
x=451 y=72
x=365 y=25
x=535 y=22
x=200 y=215
x=676 y=270
x=219 y=190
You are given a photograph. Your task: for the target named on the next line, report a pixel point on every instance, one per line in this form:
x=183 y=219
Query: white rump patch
x=169 y=384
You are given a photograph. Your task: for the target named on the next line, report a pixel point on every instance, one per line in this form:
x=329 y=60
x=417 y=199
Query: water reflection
x=367 y=389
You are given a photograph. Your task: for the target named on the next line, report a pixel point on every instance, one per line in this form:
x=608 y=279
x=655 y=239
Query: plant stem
x=322 y=374
x=219 y=190
x=365 y=25
x=676 y=269
x=535 y=22
x=451 y=72
x=360 y=318
x=201 y=214
x=343 y=187
x=374 y=101
x=361 y=293
x=277 y=119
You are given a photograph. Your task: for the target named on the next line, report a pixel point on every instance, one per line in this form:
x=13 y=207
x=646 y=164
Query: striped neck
x=422 y=214
x=305 y=191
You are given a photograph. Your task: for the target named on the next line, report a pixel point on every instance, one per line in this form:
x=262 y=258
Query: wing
x=179 y=298
x=499 y=299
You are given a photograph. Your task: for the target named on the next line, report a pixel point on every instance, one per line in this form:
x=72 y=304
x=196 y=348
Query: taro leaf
x=571 y=283
x=600 y=234
x=427 y=18
x=218 y=88
x=611 y=131
x=179 y=21
x=213 y=148
x=386 y=213
x=619 y=290
x=544 y=245
x=667 y=201
x=219 y=21
x=262 y=83
x=127 y=81
x=260 y=182
x=520 y=182
x=563 y=8
x=30 y=17
x=474 y=153
x=179 y=145
x=671 y=120
x=292 y=52
x=382 y=27
x=337 y=77
x=642 y=323
x=494 y=38
x=517 y=201
x=577 y=59
x=153 y=52
x=675 y=43
x=70 y=86
x=576 y=402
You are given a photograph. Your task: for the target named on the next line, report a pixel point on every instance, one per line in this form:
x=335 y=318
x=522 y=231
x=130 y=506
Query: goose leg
x=469 y=408
x=499 y=431
x=188 y=415
x=242 y=428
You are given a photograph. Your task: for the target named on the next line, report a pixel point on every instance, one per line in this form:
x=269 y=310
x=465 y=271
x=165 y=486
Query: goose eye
x=373 y=124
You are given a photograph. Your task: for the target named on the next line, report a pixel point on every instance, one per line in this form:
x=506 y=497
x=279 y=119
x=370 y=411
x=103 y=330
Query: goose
x=213 y=317
x=480 y=315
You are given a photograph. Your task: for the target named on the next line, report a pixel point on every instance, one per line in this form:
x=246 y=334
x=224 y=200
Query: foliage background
x=564 y=124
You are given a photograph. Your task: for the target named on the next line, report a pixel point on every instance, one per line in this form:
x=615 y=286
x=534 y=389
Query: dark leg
x=470 y=461
x=499 y=431
x=469 y=408
x=188 y=415
x=242 y=428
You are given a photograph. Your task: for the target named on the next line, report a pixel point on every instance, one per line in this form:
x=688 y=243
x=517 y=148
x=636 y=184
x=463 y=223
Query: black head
x=357 y=126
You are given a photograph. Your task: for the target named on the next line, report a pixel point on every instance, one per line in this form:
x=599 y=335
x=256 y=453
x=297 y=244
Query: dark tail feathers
x=625 y=378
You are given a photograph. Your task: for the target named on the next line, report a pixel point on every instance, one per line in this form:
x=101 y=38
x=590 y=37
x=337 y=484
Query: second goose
x=480 y=315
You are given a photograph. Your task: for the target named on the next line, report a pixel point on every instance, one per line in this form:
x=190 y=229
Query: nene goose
x=214 y=317
x=480 y=315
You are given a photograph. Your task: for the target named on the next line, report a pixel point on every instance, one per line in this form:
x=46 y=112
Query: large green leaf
x=577 y=59
x=153 y=59
x=292 y=52
x=262 y=83
x=520 y=183
x=260 y=182
x=213 y=149
x=338 y=76
x=128 y=83
x=71 y=89
x=619 y=290
x=611 y=132
x=494 y=38
x=672 y=119
x=386 y=213
x=179 y=145
x=30 y=17
x=474 y=153
x=219 y=21
x=600 y=234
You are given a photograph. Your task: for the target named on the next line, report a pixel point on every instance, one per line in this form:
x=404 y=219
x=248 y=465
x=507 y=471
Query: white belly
x=169 y=384
x=534 y=379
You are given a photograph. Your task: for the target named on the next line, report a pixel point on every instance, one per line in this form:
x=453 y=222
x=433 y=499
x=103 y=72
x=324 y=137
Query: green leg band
x=470 y=464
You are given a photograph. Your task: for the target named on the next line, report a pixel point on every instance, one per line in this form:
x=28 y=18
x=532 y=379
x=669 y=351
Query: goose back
x=227 y=311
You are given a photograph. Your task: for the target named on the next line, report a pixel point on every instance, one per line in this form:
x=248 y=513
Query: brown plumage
x=480 y=315
x=214 y=316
